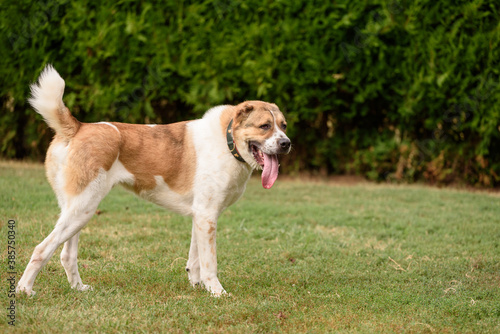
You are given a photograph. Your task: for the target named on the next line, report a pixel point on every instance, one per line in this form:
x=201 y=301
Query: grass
x=301 y=257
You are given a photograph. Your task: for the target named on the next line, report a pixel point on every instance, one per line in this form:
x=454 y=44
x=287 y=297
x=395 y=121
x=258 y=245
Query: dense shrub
x=399 y=90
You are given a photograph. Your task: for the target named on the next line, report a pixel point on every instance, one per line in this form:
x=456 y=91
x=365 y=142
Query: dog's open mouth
x=269 y=164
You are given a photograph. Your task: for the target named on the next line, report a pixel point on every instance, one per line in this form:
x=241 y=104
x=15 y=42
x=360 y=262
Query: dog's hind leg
x=69 y=261
x=69 y=223
x=78 y=211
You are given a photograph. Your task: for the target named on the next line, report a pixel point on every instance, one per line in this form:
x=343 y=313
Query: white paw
x=194 y=276
x=83 y=287
x=214 y=287
x=195 y=284
x=25 y=290
x=220 y=294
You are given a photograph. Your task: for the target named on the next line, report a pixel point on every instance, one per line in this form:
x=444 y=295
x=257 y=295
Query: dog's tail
x=46 y=99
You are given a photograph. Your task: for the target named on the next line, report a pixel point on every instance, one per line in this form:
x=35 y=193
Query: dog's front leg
x=205 y=231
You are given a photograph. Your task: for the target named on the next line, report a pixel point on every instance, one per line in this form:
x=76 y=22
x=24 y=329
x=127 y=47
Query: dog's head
x=259 y=131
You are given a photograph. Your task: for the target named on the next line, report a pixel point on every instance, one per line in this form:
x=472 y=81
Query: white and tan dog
x=195 y=168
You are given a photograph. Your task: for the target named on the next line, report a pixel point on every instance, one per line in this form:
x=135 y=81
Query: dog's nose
x=284 y=143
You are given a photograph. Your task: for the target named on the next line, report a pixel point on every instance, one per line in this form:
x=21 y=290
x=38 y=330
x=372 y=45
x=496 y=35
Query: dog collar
x=231 y=144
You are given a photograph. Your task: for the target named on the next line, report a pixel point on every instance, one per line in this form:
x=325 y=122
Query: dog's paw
x=194 y=276
x=24 y=290
x=195 y=284
x=83 y=287
x=223 y=293
x=214 y=287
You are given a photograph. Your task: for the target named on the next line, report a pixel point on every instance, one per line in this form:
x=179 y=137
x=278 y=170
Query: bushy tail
x=46 y=99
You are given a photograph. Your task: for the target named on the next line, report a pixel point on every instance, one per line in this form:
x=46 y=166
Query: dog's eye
x=265 y=126
x=283 y=126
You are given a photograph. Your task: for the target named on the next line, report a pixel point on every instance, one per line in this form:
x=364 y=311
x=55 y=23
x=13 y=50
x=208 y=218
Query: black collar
x=231 y=144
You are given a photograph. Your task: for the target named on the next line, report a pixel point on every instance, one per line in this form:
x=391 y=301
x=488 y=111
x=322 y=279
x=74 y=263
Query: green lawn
x=301 y=257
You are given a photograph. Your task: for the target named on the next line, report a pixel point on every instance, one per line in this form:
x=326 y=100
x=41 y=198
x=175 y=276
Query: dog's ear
x=243 y=110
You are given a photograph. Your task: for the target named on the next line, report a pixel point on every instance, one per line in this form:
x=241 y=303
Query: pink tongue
x=270 y=172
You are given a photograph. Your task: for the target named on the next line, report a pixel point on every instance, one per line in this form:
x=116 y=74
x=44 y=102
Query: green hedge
x=401 y=90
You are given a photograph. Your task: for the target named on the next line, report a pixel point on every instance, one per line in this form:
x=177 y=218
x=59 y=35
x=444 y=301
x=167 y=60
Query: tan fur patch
x=70 y=125
x=164 y=150
x=211 y=229
x=211 y=232
x=227 y=115
x=94 y=146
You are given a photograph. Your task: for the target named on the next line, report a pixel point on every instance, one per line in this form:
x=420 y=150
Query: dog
x=196 y=168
